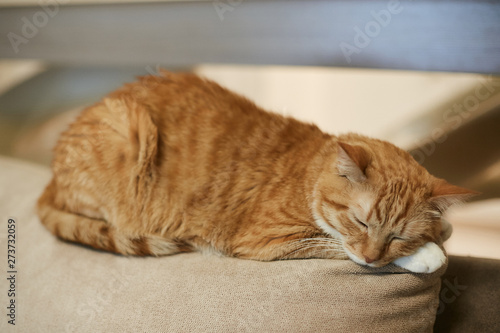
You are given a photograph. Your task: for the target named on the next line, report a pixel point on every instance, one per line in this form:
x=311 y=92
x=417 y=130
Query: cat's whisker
x=325 y=252
x=305 y=247
x=332 y=241
x=302 y=248
x=313 y=243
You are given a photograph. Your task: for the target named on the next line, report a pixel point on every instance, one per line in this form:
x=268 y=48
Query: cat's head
x=380 y=201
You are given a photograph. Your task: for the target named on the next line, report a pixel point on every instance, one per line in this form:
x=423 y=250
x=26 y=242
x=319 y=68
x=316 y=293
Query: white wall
x=370 y=102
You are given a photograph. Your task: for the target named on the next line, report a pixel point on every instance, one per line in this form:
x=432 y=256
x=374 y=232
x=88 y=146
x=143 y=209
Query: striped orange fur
x=176 y=163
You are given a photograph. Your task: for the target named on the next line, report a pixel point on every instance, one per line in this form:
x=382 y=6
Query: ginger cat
x=175 y=163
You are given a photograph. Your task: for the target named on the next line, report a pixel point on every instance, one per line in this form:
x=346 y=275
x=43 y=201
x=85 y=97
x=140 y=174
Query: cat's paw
x=427 y=259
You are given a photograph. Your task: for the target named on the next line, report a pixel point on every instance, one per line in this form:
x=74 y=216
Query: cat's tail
x=98 y=233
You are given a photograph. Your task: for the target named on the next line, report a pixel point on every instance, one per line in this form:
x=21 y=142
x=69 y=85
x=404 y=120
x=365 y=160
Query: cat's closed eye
x=361 y=223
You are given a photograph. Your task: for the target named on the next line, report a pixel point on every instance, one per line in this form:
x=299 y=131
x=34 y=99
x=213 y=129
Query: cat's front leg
x=429 y=258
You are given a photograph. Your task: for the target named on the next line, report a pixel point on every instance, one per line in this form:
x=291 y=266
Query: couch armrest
x=469 y=297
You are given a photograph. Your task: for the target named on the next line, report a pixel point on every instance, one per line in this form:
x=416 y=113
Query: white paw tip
x=429 y=258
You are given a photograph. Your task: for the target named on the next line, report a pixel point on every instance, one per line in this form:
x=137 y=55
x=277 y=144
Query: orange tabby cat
x=177 y=163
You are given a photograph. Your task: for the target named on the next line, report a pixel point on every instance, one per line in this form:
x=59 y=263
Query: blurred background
x=345 y=68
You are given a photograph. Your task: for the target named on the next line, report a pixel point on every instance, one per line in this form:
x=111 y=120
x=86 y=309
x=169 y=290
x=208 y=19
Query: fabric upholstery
x=469 y=300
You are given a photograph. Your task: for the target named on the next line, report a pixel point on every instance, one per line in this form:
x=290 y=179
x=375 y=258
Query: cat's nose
x=369 y=260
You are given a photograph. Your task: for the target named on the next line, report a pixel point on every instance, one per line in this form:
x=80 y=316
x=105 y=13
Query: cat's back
x=175 y=98
x=182 y=107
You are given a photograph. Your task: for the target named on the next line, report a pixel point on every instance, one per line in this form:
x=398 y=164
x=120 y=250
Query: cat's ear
x=445 y=194
x=352 y=162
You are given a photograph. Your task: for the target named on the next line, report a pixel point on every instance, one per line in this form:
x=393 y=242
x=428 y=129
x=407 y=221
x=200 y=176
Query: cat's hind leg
x=100 y=234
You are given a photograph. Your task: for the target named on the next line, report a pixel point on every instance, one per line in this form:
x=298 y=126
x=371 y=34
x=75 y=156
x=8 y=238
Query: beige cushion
x=70 y=288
